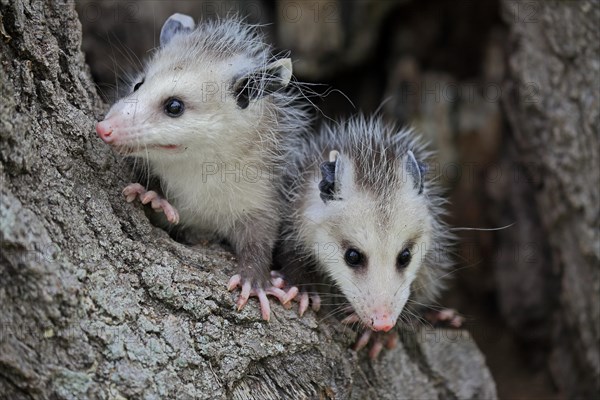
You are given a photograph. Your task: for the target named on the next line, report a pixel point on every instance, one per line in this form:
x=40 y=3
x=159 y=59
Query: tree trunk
x=97 y=303
x=550 y=291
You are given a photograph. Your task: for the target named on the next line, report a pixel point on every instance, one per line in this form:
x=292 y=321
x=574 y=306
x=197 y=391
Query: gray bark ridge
x=552 y=108
x=97 y=303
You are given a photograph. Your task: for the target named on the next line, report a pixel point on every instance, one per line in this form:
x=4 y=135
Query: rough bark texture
x=97 y=303
x=553 y=110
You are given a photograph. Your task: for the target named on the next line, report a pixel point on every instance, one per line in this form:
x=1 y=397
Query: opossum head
x=373 y=228
x=206 y=87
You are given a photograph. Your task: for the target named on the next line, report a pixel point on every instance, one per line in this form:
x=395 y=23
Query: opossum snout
x=104 y=129
x=382 y=321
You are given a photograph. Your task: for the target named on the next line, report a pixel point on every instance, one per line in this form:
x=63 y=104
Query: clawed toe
x=316 y=302
x=446 y=316
x=159 y=204
x=280 y=294
x=244 y=295
x=149 y=196
x=363 y=340
x=265 y=307
x=375 y=350
x=132 y=191
x=291 y=294
x=304 y=300
x=170 y=212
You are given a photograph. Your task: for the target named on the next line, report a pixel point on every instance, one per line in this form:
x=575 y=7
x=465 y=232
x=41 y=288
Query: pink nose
x=382 y=322
x=104 y=130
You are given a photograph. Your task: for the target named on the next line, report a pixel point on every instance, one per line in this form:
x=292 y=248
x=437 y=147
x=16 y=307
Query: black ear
x=175 y=24
x=415 y=170
x=327 y=186
x=258 y=83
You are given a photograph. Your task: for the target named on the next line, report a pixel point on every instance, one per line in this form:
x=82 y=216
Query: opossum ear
x=278 y=73
x=415 y=170
x=329 y=185
x=177 y=23
x=259 y=83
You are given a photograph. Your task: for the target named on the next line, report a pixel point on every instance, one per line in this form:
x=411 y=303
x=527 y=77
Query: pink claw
x=132 y=191
x=278 y=293
x=265 y=307
x=148 y=196
x=291 y=294
x=303 y=303
x=375 y=350
x=392 y=342
x=363 y=340
x=281 y=295
x=316 y=302
x=170 y=212
x=245 y=295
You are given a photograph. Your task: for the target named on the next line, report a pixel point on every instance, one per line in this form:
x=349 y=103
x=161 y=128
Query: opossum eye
x=174 y=107
x=353 y=258
x=404 y=258
x=137 y=85
x=243 y=95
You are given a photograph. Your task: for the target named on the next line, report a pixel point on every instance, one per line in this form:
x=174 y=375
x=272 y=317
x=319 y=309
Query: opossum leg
x=253 y=241
x=447 y=316
x=157 y=202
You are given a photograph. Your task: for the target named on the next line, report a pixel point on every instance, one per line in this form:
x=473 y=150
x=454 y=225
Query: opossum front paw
x=158 y=203
x=446 y=316
x=379 y=340
x=248 y=289
x=304 y=296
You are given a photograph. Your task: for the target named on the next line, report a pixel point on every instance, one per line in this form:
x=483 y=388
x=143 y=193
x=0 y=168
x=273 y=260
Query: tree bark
x=550 y=292
x=98 y=303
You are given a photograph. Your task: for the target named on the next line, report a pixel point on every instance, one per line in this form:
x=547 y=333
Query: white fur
x=224 y=166
x=383 y=287
x=379 y=220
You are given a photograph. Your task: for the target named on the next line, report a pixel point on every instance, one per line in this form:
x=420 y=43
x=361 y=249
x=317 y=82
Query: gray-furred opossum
x=362 y=213
x=206 y=117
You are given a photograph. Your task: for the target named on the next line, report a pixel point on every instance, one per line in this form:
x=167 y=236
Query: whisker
x=483 y=229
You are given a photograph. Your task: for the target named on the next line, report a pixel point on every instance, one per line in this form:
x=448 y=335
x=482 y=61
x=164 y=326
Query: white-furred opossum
x=363 y=213
x=206 y=116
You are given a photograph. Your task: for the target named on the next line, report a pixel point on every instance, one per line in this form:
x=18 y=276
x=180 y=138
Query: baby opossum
x=206 y=117
x=363 y=213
